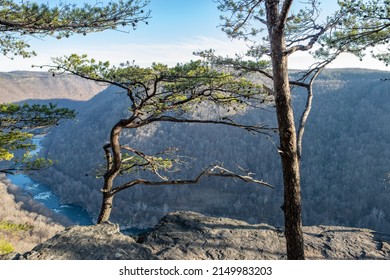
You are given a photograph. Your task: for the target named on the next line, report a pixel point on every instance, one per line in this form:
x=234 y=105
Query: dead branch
x=263 y=129
x=211 y=171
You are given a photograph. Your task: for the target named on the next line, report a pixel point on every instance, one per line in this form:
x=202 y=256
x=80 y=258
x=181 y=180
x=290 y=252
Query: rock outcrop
x=99 y=242
x=189 y=235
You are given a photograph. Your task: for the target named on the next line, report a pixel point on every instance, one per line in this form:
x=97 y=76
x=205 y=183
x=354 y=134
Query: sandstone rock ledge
x=189 y=235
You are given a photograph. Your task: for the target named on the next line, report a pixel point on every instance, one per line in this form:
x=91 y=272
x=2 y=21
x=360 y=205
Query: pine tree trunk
x=105 y=210
x=287 y=136
x=108 y=197
x=290 y=165
x=114 y=161
x=290 y=161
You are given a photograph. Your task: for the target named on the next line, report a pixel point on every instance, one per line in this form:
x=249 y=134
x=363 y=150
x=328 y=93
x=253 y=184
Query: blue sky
x=177 y=29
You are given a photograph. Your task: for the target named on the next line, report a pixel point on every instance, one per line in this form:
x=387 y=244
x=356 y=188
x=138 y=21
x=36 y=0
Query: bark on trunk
x=287 y=136
x=105 y=210
x=290 y=161
x=114 y=161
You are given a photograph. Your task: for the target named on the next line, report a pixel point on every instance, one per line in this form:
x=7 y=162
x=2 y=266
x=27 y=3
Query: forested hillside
x=23 y=85
x=346 y=153
x=24 y=224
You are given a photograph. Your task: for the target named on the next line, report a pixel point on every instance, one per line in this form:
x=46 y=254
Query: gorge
x=344 y=164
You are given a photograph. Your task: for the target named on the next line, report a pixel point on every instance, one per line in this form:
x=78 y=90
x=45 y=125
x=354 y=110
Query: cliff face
x=189 y=235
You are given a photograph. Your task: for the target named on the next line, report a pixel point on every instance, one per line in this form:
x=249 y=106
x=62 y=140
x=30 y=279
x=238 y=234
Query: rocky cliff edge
x=189 y=235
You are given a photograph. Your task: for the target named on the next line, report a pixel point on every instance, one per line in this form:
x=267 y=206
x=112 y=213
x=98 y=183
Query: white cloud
x=144 y=54
x=166 y=52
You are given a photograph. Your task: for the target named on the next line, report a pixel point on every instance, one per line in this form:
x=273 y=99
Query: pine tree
x=274 y=31
x=18 y=22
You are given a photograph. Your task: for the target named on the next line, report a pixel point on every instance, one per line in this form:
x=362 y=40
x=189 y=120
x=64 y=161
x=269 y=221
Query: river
x=43 y=194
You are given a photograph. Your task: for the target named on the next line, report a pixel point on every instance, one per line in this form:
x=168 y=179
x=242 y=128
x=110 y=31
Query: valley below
x=345 y=161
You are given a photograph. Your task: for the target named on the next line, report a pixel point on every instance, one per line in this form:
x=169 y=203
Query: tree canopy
x=363 y=29
x=26 y=19
x=18 y=21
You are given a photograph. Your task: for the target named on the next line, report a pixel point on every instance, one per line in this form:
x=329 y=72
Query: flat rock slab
x=189 y=235
x=345 y=243
x=192 y=236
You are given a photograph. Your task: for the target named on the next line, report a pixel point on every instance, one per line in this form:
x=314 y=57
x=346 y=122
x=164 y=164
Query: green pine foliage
x=18 y=124
x=363 y=25
x=21 y=19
